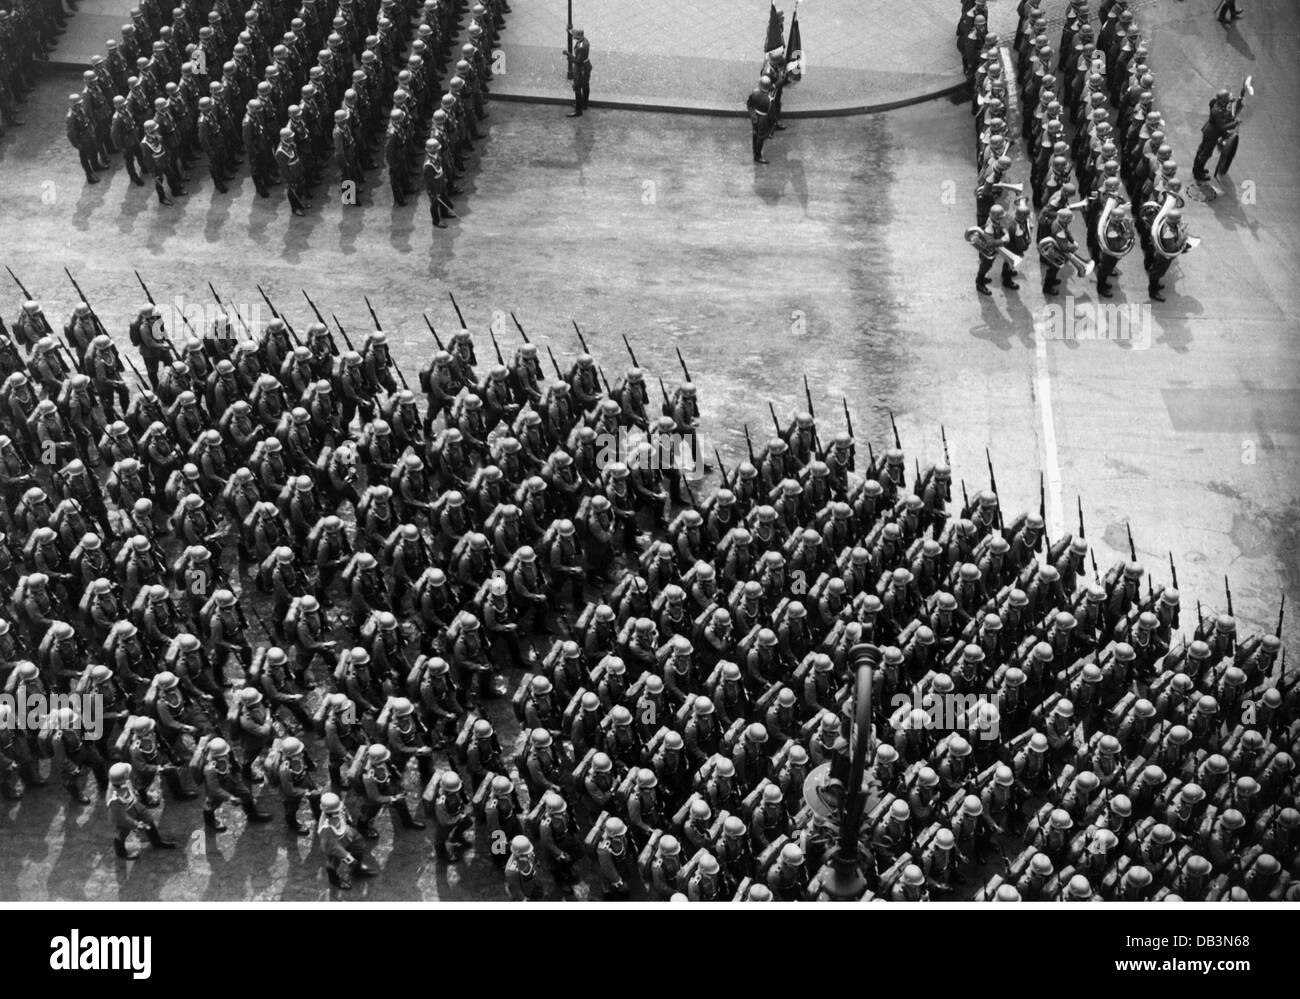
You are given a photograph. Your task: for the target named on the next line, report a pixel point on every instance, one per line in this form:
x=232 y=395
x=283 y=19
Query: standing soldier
x=774 y=68
x=345 y=150
x=995 y=235
x=212 y=139
x=160 y=162
x=760 y=115
x=125 y=133
x=396 y=155
x=580 y=62
x=1221 y=125
x=257 y=142
x=81 y=133
x=435 y=184
x=292 y=171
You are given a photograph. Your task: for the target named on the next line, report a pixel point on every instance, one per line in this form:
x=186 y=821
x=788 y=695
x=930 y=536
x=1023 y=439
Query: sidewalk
x=94 y=23
x=860 y=55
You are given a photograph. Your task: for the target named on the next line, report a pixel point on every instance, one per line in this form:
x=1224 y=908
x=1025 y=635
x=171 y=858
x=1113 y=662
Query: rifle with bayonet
x=274 y=312
x=853 y=444
x=520 y=328
x=581 y=339
x=722 y=469
x=459 y=317
x=436 y=339
x=346 y=339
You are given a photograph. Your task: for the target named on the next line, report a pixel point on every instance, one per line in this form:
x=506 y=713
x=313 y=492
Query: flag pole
x=568 y=73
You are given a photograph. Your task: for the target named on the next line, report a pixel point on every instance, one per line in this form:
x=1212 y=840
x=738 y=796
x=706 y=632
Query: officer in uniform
x=759 y=105
x=580 y=65
x=1221 y=124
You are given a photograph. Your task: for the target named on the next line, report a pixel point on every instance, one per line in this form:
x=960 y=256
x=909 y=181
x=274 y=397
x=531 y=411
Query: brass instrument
x=1018 y=188
x=1058 y=256
x=1123 y=240
x=1183 y=243
x=1153 y=213
x=979 y=239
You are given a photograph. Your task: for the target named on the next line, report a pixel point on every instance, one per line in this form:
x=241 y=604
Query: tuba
x=1153 y=213
x=1057 y=256
x=1181 y=242
x=988 y=249
x=1115 y=235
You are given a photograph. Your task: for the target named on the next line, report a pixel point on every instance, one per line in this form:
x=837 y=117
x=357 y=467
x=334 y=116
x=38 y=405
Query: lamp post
x=842 y=878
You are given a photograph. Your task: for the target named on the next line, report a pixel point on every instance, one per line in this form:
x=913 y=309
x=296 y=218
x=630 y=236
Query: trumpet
x=979 y=239
x=1018 y=188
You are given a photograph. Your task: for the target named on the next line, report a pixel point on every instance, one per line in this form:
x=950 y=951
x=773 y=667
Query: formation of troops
x=28 y=32
x=1094 y=142
x=293 y=89
x=298 y=588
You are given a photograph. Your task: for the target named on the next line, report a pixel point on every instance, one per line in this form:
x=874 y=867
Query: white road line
x=1008 y=74
x=1055 y=512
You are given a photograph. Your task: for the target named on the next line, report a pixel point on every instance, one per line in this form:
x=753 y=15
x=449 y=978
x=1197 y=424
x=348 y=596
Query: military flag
x=775 y=29
x=794 y=50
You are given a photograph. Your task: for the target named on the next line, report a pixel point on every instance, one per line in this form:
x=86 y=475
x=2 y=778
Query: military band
x=1092 y=134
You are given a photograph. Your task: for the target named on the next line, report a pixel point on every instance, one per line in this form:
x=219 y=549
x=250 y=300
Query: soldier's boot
x=338 y=879
x=121 y=849
x=313 y=802
x=291 y=819
x=254 y=813
x=156 y=840
x=211 y=821
x=403 y=811
x=366 y=829
x=336 y=775
x=12 y=788
x=76 y=793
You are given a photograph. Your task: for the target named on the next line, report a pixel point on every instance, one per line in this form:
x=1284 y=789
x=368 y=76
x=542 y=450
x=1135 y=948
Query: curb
x=863 y=109
x=706 y=112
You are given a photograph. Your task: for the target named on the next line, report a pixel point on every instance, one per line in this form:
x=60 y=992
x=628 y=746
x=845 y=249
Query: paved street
x=842 y=260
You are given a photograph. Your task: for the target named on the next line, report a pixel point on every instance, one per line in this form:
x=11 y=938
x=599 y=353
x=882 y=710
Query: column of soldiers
x=234 y=82
x=679 y=663
x=28 y=32
x=1113 y=142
